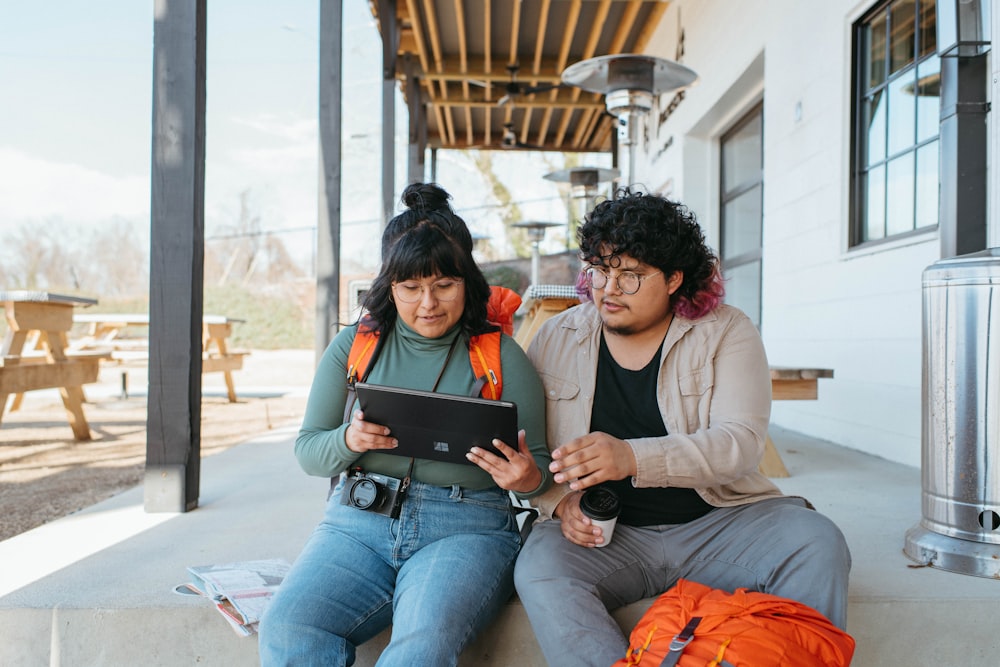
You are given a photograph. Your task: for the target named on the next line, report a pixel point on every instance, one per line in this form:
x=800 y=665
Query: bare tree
x=37 y=260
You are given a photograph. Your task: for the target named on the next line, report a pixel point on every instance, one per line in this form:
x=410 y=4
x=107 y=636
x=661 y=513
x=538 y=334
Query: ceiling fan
x=509 y=140
x=514 y=89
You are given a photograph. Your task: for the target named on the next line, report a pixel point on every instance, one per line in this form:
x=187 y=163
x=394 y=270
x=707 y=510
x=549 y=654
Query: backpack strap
x=484 y=355
x=679 y=642
x=364 y=350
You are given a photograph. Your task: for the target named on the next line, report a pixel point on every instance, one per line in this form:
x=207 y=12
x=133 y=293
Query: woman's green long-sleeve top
x=411 y=361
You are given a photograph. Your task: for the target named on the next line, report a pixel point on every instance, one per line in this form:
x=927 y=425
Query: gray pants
x=776 y=546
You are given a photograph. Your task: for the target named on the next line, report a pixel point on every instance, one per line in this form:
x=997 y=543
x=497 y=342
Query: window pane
x=741 y=154
x=928 y=28
x=875 y=204
x=902 y=112
x=900 y=195
x=741 y=222
x=928 y=99
x=927 y=185
x=874 y=36
x=875 y=110
x=902 y=45
x=743 y=288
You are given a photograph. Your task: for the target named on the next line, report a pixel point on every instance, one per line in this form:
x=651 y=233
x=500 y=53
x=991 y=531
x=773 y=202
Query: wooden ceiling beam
x=625 y=26
x=515 y=30
x=433 y=35
x=649 y=26
x=452 y=103
x=418 y=33
x=454 y=73
x=458 y=61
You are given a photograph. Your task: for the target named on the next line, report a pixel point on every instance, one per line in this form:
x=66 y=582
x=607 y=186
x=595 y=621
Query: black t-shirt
x=625 y=407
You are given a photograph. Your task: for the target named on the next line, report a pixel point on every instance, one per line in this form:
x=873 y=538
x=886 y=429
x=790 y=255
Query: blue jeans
x=776 y=546
x=438 y=574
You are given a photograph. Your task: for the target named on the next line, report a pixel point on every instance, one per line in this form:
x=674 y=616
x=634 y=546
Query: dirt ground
x=45 y=474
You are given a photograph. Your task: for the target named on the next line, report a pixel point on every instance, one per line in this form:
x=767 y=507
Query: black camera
x=373 y=492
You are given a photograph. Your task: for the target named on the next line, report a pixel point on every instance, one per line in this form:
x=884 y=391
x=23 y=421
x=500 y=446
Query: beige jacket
x=714 y=393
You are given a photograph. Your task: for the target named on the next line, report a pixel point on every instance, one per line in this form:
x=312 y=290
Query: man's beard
x=618 y=330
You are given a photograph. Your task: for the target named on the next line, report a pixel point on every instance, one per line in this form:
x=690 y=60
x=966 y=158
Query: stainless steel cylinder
x=960 y=503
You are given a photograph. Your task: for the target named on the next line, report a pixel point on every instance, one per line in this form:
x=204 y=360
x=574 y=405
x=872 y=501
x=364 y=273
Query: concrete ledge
x=510 y=641
x=95 y=588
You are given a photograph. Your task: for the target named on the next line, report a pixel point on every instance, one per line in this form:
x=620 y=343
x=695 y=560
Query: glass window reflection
x=902 y=24
x=899 y=195
x=902 y=113
x=928 y=185
x=875 y=204
x=875 y=112
x=928 y=99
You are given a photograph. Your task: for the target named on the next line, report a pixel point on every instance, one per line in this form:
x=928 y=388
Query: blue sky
x=75 y=108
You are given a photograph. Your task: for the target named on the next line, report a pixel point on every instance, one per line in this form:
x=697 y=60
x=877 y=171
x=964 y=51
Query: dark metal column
x=418 y=126
x=964 y=136
x=177 y=252
x=330 y=128
x=390 y=45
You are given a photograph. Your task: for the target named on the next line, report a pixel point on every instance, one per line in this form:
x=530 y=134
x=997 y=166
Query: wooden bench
x=44 y=320
x=112 y=329
x=790 y=384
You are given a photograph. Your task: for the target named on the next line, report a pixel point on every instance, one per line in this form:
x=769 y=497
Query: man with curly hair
x=657 y=390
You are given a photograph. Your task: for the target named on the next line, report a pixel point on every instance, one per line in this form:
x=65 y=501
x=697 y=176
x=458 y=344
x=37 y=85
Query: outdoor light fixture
x=963 y=27
x=628 y=82
x=536 y=233
x=583 y=181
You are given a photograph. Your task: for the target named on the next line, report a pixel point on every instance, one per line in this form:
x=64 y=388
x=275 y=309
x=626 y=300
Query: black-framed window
x=896 y=114
x=741 y=204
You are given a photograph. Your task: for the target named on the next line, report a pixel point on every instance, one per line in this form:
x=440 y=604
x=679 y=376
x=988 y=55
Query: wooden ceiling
x=476 y=63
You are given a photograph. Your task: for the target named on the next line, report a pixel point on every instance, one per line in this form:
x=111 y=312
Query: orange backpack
x=484 y=349
x=692 y=625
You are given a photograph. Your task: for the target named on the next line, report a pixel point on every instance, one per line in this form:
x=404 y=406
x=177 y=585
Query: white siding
x=857 y=312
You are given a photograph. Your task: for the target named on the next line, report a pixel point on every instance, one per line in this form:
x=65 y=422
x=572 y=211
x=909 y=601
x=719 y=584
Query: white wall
x=857 y=312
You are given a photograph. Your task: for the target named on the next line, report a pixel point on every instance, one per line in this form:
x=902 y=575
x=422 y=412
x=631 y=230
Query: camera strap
x=409 y=470
x=397 y=504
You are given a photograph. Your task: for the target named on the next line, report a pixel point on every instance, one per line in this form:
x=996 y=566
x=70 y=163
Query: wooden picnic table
x=108 y=330
x=36 y=355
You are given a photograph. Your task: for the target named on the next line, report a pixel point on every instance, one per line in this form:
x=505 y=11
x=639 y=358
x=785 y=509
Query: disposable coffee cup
x=602 y=506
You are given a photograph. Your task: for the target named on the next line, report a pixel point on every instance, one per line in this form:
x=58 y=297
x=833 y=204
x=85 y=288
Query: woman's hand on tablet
x=516 y=471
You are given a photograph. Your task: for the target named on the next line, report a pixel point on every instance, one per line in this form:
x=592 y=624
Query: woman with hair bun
x=439 y=566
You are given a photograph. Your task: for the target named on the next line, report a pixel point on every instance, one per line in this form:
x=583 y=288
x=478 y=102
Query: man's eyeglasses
x=628 y=282
x=442 y=290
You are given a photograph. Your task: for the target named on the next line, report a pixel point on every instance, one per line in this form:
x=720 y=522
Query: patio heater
x=960 y=501
x=536 y=233
x=628 y=82
x=583 y=182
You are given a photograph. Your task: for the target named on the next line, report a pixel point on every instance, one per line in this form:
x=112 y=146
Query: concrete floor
x=95 y=588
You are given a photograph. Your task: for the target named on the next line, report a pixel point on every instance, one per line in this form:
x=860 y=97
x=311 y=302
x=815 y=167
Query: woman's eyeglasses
x=442 y=290
x=628 y=282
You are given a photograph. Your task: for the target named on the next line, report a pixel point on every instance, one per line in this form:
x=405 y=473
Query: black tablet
x=440 y=427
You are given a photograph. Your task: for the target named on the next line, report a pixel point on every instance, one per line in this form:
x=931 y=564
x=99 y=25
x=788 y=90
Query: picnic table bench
x=108 y=330
x=541 y=302
x=35 y=353
x=790 y=384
